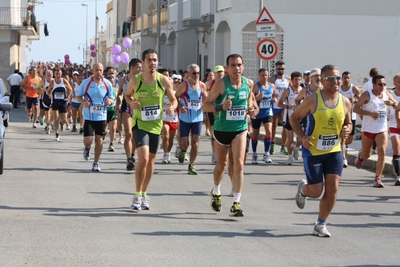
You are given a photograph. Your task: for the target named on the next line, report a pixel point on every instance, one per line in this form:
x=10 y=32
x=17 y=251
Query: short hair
x=346 y=73
x=376 y=77
x=148 y=51
x=326 y=68
x=49 y=71
x=295 y=74
x=373 y=72
x=279 y=62
x=16 y=71
x=57 y=69
x=134 y=62
x=192 y=66
x=233 y=56
x=396 y=76
x=262 y=70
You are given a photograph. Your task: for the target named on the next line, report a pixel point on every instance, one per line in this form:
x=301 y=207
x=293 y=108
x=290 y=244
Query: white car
x=4 y=98
x=5 y=108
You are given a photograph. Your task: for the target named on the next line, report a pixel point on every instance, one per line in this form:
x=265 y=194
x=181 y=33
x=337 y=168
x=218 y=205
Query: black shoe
x=215 y=202
x=130 y=164
x=236 y=211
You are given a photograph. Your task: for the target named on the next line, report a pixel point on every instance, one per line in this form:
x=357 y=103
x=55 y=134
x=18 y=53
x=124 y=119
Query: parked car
x=5 y=108
x=4 y=98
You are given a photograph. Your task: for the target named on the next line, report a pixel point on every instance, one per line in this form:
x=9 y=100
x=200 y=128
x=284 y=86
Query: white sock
x=236 y=197
x=217 y=190
x=290 y=156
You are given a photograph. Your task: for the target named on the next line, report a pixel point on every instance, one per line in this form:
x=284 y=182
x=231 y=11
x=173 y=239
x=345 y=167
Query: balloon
x=66 y=56
x=67 y=62
x=116 y=49
x=127 y=42
x=92 y=47
x=116 y=59
x=125 y=57
x=93 y=54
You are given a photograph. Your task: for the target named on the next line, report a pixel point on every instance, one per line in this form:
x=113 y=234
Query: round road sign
x=267 y=49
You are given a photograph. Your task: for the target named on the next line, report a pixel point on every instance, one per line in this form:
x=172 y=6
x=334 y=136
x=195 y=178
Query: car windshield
x=3 y=88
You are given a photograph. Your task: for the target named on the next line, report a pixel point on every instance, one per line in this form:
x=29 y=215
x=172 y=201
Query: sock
x=290 y=157
x=396 y=164
x=111 y=144
x=254 y=143
x=57 y=135
x=320 y=221
x=267 y=143
x=236 y=197
x=144 y=193
x=138 y=193
x=217 y=190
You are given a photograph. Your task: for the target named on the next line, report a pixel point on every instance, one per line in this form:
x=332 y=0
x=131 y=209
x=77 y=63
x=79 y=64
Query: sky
x=66 y=22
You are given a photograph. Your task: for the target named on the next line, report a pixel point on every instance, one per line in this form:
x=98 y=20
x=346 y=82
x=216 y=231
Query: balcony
x=18 y=19
x=223 y=5
x=207 y=12
x=191 y=13
x=154 y=19
x=172 y=13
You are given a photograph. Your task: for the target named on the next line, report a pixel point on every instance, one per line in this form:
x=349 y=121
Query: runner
x=112 y=114
x=394 y=132
x=45 y=100
x=145 y=95
x=29 y=84
x=75 y=105
x=232 y=98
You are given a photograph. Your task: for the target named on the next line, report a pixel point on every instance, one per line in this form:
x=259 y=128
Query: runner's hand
x=306 y=141
x=345 y=132
x=182 y=109
x=374 y=115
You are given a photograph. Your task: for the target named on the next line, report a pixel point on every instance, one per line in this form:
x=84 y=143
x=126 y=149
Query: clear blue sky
x=66 y=21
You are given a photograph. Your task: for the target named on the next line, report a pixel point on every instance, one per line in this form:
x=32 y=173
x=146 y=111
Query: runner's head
x=378 y=83
x=330 y=78
x=396 y=81
x=315 y=76
x=48 y=75
x=280 y=67
x=150 y=60
x=135 y=66
x=97 y=71
x=296 y=78
x=219 y=72
x=346 y=78
x=57 y=74
x=234 y=66
x=263 y=75
x=194 y=72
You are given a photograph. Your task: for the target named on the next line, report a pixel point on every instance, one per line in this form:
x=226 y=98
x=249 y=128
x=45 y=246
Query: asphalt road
x=56 y=212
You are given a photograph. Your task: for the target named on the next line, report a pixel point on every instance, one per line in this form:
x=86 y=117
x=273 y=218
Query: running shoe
x=345 y=163
x=215 y=202
x=57 y=139
x=111 y=148
x=68 y=127
x=320 y=230
x=47 y=130
x=231 y=194
x=86 y=153
x=165 y=159
x=289 y=161
x=130 y=164
x=359 y=162
x=81 y=130
x=213 y=158
x=284 y=150
x=74 y=130
x=378 y=183
x=121 y=140
x=41 y=120
x=300 y=199
x=62 y=127
x=396 y=167
x=34 y=126
x=296 y=153
x=136 y=202
x=236 y=211
x=267 y=158
x=145 y=203
x=182 y=156
x=272 y=149
x=28 y=118
x=96 y=167
x=397 y=181
x=208 y=133
x=177 y=151
x=192 y=170
x=254 y=159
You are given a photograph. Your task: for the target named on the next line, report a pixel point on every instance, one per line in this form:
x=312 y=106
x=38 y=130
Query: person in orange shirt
x=32 y=97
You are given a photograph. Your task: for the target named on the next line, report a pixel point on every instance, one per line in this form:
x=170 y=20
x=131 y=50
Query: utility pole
x=158 y=28
x=96 y=34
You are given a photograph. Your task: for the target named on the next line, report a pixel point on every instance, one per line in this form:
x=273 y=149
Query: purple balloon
x=127 y=42
x=116 y=59
x=116 y=49
x=67 y=62
x=66 y=56
x=92 y=47
x=93 y=54
x=125 y=57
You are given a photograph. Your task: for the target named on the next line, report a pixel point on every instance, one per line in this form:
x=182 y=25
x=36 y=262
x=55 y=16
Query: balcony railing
x=17 y=17
x=207 y=7
x=191 y=9
x=223 y=4
x=172 y=12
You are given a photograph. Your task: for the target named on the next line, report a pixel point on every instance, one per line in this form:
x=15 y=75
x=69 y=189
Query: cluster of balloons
x=93 y=53
x=116 y=52
x=66 y=60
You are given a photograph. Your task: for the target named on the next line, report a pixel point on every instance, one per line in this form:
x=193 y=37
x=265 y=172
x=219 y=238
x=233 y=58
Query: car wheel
x=5 y=123
x=2 y=159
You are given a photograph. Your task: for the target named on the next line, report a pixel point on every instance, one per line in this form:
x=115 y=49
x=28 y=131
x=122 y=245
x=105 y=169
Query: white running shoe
x=289 y=161
x=145 y=203
x=165 y=158
x=345 y=163
x=320 y=230
x=177 y=151
x=296 y=153
x=96 y=167
x=267 y=158
x=136 y=202
x=254 y=159
x=300 y=199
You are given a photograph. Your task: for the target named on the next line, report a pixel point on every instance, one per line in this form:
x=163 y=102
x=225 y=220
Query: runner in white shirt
x=394 y=132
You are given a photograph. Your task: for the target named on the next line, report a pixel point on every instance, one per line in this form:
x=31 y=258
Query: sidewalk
x=352 y=151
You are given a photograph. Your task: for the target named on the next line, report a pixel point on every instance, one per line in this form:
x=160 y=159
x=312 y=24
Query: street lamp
x=83 y=53
x=85 y=5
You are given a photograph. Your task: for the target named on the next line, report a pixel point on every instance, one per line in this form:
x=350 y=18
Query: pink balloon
x=116 y=59
x=66 y=56
x=127 y=42
x=125 y=57
x=92 y=47
x=93 y=54
x=67 y=62
x=116 y=49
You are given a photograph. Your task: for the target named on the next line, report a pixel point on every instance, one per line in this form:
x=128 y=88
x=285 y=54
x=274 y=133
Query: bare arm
x=218 y=89
x=364 y=99
x=300 y=96
x=171 y=96
x=284 y=95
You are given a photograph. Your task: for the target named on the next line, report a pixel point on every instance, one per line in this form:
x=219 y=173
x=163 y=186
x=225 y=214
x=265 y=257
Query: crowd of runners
x=318 y=109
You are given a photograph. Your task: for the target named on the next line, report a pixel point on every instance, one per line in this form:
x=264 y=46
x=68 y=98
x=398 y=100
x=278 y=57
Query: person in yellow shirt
x=328 y=120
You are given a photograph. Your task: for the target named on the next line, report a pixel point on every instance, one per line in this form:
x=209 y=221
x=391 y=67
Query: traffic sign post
x=267 y=49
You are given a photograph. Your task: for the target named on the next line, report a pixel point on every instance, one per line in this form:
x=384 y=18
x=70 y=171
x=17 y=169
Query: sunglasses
x=382 y=84
x=195 y=73
x=332 y=78
x=280 y=69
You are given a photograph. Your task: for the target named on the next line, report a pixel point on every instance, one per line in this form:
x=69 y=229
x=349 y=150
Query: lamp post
x=83 y=53
x=85 y=50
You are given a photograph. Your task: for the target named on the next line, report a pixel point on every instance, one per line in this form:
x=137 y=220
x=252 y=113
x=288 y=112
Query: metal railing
x=13 y=16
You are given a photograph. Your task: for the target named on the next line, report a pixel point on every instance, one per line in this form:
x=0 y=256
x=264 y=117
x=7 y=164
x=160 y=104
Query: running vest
x=31 y=87
x=114 y=93
x=192 y=100
x=376 y=104
x=280 y=86
x=74 y=92
x=234 y=119
x=148 y=117
x=166 y=117
x=325 y=125
x=290 y=101
x=59 y=93
x=391 y=114
x=46 y=101
x=349 y=93
x=265 y=103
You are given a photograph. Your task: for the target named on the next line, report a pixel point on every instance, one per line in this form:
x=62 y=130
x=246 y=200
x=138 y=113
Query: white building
x=18 y=28
x=354 y=35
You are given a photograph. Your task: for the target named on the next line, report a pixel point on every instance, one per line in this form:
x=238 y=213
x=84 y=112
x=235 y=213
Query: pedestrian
x=14 y=81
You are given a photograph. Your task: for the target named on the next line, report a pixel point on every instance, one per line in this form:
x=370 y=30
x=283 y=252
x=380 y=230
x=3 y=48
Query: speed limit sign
x=267 y=49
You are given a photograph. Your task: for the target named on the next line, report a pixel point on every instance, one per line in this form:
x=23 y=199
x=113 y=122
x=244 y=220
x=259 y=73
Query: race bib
x=327 y=142
x=194 y=104
x=150 y=113
x=58 y=95
x=265 y=103
x=382 y=115
x=97 y=108
x=236 y=113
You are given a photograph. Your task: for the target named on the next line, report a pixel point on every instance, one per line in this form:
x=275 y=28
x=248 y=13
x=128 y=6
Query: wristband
x=218 y=107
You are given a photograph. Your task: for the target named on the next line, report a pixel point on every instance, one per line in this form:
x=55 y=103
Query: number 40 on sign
x=267 y=49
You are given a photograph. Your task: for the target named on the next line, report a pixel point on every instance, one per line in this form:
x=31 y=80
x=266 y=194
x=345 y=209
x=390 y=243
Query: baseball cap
x=174 y=76
x=315 y=71
x=219 y=68
x=179 y=77
x=75 y=73
x=306 y=72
